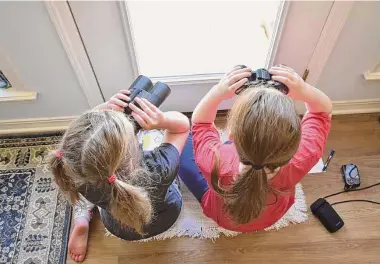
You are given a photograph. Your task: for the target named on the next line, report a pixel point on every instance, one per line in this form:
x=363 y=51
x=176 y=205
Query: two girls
x=244 y=184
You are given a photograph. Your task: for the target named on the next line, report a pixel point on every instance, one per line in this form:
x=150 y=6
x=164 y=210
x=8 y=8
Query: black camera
x=262 y=76
x=143 y=88
x=351 y=176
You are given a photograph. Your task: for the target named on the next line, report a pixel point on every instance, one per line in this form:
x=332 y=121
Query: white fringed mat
x=192 y=223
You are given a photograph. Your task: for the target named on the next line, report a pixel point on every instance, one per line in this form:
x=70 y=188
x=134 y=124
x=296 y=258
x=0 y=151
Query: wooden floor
x=355 y=139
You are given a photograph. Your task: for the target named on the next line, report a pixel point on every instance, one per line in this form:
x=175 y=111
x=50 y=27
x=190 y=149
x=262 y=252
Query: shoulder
x=309 y=120
x=204 y=131
x=229 y=161
x=164 y=151
x=163 y=160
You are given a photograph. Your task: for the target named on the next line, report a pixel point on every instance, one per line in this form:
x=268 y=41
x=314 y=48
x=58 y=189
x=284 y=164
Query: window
x=189 y=44
x=200 y=38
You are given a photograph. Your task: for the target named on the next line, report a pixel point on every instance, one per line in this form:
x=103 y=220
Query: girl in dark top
x=99 y=162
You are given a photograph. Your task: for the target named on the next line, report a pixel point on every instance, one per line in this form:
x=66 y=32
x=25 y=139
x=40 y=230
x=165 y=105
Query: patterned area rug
x=34 y=217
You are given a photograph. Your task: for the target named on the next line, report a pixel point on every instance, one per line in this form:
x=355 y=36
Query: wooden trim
x=348 y=107
x=67 y=31
x=329 y=36
x=35 y=125
x=128 y=31
x=11 y=94
x=356 y=106
x=372 y=76
x=57 y=124
x=276 y=35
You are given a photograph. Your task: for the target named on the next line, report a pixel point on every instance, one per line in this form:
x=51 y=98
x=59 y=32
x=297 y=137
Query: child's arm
x=149 y=117
x=177 y=127
x=316 y=101
x=315 y=124
x=205 y=112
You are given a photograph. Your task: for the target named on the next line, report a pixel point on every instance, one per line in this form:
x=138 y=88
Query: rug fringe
x=296 y=214
x=196 y=229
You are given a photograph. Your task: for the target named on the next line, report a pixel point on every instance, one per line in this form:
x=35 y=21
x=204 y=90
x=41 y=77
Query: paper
x=318 y=168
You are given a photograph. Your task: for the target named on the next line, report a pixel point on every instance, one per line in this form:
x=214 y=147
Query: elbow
x=194 y=117
x=329 y=106
x=186 y=124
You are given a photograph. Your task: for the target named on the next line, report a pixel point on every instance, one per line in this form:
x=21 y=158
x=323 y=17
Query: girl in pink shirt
x=248 y=183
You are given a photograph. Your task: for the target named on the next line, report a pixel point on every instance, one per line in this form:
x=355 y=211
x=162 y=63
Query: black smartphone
x=351 y=176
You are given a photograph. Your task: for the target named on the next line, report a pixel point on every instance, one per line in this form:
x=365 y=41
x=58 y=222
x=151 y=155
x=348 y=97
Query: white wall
x=356 y=51
x=31 y=42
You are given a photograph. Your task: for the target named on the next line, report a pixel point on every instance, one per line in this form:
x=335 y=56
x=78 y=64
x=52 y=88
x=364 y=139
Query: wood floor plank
x=355 y=138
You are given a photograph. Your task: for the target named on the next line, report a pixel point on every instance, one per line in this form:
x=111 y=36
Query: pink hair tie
x=58 y=154
x=112 y=178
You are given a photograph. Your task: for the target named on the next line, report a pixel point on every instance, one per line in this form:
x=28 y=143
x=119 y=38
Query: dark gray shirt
x=166 y=198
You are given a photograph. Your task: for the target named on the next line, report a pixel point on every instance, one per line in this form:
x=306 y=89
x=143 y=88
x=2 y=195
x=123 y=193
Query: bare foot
x=78 y=240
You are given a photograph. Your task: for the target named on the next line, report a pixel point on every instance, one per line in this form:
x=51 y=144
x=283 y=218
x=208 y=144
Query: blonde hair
x=100 y=143
x=266 y=131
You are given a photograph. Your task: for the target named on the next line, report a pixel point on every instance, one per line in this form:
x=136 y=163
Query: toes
x=76 y=257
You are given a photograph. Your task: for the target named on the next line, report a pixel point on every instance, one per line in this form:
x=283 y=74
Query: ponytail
x=266 y=131
x=61 y=178
x=97 y=147
x=130 y=205
x=246 y=199
x=249 y=196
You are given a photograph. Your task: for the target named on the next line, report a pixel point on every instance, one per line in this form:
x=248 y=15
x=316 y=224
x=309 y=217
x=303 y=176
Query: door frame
x=329 y=36
x=64 y=23
x=68 y=27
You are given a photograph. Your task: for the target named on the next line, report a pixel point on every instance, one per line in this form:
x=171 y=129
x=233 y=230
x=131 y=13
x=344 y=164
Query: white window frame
x=199 y=78
x=108 y=43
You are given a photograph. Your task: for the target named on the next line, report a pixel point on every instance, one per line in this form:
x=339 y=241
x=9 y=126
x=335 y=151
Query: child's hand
x=116 y=103
x=297 y=86
x=150 y=117
x=230 y=82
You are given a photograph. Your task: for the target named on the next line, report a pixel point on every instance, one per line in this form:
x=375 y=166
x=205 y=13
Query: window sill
x=7 y=95
x=190 y=79
x=370 y=76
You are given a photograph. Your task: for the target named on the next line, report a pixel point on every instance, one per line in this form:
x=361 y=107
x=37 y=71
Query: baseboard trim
x=356 y=106
x=57 y=124
x=35 y=125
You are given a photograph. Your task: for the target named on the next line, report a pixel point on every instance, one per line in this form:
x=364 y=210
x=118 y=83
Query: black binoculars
x=262 y=76
x=143 y=88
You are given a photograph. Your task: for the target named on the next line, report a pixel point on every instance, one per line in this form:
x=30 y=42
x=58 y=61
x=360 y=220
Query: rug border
x=63 y=251
x=32 y=135
x=66 y=233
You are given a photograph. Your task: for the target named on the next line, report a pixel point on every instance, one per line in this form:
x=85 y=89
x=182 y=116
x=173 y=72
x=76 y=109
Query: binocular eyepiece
x=262 y=76
x=143 y=88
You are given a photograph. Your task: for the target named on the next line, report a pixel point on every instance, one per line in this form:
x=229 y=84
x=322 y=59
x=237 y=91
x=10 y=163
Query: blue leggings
x=189 y=171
